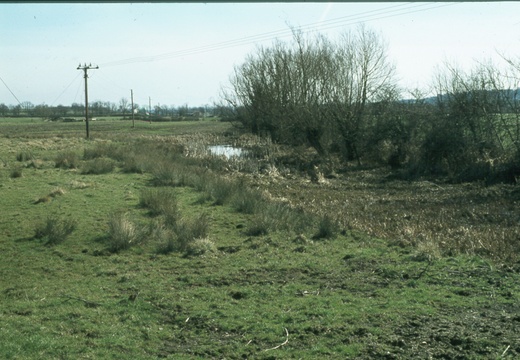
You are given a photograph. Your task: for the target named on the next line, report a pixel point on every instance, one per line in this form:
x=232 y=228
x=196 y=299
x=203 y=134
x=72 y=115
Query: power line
x=65 y=89
x=10 y=91
x=391 y=11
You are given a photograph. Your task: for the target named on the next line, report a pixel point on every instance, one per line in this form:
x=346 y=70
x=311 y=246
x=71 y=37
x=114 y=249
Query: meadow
x=139 y=243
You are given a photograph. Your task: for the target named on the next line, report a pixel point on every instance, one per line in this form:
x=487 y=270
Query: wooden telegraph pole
x=86 y=67
x=132 y=97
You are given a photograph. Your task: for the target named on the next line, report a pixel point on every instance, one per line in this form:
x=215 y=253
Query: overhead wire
x=66 y=88
x=12 y=93
x=371 y=15
x=391 y=11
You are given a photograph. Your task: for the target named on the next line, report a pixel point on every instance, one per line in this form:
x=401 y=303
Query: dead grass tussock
x=201 y=247
x=58 y=191
x=75 y=184
x=122 y=232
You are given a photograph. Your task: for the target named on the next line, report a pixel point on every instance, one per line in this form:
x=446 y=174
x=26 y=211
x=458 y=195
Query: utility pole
x=86 y=67
x=150 y=109
x=132 y=97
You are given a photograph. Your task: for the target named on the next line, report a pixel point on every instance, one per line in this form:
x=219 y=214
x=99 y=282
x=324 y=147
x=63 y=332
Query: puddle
x=227 y=151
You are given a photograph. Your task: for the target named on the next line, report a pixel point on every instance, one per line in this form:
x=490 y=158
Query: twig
x=504 y=353
x=423 y=271
x=282 y=344
x=87 y=302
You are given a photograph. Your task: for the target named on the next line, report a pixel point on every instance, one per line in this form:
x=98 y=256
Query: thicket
x=342 y=98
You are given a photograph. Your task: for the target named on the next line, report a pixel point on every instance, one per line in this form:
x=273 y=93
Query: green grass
x=224 y=293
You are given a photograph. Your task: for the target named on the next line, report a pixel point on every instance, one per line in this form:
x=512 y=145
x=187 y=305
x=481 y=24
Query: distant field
x=102 y=127
x=138 y=244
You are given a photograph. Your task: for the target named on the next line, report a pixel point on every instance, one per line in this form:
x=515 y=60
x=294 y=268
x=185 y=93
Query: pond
x=227 y=151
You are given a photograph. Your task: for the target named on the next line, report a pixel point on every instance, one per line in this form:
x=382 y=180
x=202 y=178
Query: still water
x=228 y=151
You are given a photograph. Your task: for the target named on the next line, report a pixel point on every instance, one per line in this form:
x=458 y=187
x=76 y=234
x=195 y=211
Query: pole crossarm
x=85 y=68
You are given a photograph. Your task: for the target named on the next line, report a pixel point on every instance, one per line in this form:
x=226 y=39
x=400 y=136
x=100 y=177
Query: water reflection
x=227 y=151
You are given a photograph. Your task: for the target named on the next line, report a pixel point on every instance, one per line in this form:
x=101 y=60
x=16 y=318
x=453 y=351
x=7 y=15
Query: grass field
x=196 y=257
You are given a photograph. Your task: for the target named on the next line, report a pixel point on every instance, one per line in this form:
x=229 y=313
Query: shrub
x=98 y=166
x=122 y=233
x=55 y=230
x=67 y=160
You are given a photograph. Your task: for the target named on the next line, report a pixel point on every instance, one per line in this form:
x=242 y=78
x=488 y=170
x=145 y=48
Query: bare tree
x=364 y=75
x=123 y=106
x=310 y=90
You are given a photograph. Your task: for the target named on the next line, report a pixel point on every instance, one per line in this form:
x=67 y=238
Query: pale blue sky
x=176 y=53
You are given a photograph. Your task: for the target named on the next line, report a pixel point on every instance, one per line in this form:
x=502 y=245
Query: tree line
x=102 y=108
x=342 y=98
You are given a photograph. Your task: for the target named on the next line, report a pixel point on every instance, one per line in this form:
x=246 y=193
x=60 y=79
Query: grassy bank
x=178 y=257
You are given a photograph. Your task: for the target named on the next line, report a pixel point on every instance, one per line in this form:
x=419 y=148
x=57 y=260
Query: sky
x=175 y=54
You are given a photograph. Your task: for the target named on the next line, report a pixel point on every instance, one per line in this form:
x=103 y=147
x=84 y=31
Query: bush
x=67 y=160
x=122 y=233
x=55 y=230
x=98 y=166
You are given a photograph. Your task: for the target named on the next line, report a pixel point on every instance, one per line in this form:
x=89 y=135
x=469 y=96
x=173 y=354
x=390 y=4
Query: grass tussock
x=15 y=173
x=220 y=190
x=58 y=191
x=190 y=229
x=104 y=150
x=165 y=174
x=135 y=163
x=55 y=230
x=247 y=201
x=74 y=184
x=24 y=155
x=159 y=201
x=182 y=234
x=277 y=216
x=201 y=247
x=328 y=228
x=122 y=233
x=67 y=160
x=98 y=166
